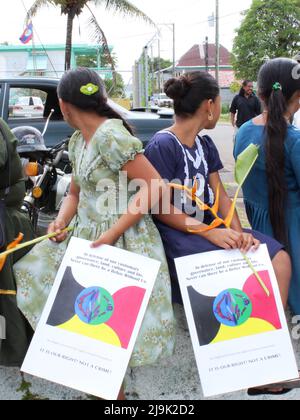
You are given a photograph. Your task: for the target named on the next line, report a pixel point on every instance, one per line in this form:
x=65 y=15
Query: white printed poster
x=237 y=322
x=92 y=318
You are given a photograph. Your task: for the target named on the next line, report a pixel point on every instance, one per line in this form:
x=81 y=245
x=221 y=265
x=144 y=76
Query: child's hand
x=56 y=227
x=230 y=239
x=249 y=242
x=108 y=238
x=225 y=238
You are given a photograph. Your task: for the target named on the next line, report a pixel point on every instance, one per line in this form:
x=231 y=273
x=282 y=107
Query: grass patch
x=225 y=118
x=27 y=394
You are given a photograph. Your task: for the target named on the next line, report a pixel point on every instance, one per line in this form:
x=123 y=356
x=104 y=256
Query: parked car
x=28 y=106
x=162 y=112
x=145 y=125
x=162 y=100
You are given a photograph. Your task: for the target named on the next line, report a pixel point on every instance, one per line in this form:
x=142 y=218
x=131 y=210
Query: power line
x=214 y=19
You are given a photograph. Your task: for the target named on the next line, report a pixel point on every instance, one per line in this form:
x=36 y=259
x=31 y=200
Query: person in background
x=245 y=105
x=12 y=191
x=272 y=190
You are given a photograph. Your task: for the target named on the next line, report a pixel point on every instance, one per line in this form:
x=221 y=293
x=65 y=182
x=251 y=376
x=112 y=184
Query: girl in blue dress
x=180 y=154
x=272 y=190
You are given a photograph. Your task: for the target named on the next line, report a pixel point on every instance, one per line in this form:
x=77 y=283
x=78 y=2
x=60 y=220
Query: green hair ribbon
x=277 y=86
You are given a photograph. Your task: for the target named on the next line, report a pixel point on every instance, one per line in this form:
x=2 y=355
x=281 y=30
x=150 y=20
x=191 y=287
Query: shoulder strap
x=7 y=173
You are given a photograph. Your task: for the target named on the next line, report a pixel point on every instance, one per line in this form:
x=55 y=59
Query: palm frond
x=125 y=8
x=98 y=36
x=34 y=9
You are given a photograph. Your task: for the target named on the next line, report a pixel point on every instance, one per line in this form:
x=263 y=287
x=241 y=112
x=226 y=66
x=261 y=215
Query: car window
x=26 y=103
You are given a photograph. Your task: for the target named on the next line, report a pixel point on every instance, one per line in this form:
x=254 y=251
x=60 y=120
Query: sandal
x=287 y=387
x=255 y=392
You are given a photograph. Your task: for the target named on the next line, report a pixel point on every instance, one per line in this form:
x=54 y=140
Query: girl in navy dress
x=182 y=154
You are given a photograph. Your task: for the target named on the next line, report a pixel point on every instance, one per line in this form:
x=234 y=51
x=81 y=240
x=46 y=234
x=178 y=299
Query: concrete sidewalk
x=173 y=379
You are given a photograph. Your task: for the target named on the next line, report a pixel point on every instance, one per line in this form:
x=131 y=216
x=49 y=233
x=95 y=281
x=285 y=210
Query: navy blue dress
x=178 y=163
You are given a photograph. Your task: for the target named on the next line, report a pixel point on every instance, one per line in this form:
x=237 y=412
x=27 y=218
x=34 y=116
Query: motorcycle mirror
x=47 y=122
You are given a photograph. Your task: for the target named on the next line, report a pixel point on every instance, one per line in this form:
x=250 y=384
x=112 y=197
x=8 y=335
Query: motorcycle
x=48 y=175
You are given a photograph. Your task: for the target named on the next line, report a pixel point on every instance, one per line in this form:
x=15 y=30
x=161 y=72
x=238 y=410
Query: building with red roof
x=202 y=57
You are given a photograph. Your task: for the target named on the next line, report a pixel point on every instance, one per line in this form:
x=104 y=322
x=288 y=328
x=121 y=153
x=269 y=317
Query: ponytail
x=104 y=110
x=276 y=131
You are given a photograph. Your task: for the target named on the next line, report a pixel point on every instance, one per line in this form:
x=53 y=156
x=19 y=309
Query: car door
x=46 y=91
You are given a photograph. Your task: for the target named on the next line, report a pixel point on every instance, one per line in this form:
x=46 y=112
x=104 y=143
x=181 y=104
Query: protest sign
x=92 y=318
x=238 y=327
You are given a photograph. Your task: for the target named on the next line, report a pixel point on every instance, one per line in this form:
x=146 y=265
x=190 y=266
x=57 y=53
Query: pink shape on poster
x=264 y=307
x=128 y=303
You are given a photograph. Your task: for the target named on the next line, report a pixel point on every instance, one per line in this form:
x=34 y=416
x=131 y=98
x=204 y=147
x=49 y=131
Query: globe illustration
x=232 y=308
x=94 y=306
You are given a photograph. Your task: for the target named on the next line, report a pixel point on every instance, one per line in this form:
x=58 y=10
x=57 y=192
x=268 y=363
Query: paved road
x=174 y=379
x=222 y=135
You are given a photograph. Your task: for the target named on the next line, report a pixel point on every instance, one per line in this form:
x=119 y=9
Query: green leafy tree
x=73 y=8
x=115 y=89
x=235 y=87
x=270 y=29
x=87 y=60
x=159 y=63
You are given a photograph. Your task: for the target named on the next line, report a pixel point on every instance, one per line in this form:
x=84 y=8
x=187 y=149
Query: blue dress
x=257 y=200
x=178 y=163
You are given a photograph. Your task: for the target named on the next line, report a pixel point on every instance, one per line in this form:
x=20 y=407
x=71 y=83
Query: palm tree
x=73 y=8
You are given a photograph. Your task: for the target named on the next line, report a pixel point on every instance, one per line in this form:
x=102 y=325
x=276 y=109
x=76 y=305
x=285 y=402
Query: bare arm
x=233 y=120
x=149 y=195
x=67 y=212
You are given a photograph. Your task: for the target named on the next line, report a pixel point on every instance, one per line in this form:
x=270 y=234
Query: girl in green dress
x=18 y=332
x=101 y=148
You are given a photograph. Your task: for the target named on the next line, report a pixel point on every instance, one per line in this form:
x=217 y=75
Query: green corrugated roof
x=77 y=48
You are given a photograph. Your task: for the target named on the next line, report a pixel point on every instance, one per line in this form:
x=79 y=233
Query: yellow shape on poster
x=102 y=332
x=253 y=326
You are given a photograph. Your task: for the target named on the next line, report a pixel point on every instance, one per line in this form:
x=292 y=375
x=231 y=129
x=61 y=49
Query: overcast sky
x=128 y=36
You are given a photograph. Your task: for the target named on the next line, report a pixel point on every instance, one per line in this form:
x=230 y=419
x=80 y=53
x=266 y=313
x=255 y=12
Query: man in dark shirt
x=246 y=105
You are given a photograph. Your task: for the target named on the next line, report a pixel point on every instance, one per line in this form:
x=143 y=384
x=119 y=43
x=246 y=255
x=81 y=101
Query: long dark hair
x=69 y=90
x=190 y=90
x=277 y=85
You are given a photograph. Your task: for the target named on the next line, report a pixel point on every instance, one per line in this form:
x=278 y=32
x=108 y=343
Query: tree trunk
x=71 y=16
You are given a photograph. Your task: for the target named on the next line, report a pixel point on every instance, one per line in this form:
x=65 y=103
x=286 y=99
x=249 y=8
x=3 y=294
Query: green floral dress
x=109 y=150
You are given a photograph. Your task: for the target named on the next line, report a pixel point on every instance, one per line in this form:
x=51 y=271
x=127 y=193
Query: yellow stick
x=34 y=242
x=266 y=290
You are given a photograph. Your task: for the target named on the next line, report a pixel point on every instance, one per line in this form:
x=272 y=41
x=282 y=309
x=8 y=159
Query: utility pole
x=146 y=63
x=217 y=40
x=174 y=50
x=206 y=55
x=171 y=26
x=159 y=66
